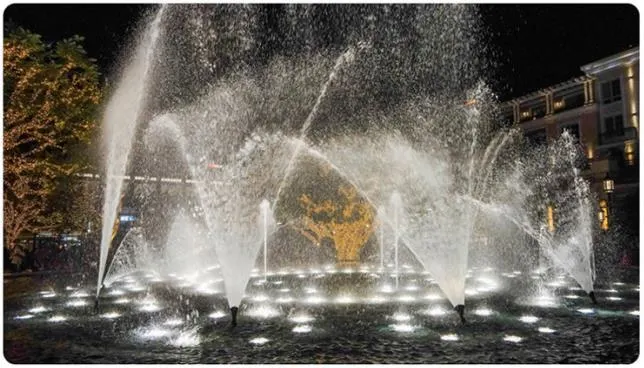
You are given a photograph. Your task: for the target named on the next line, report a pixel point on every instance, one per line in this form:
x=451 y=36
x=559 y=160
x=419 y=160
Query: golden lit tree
x=347 y=222
x=51 y=97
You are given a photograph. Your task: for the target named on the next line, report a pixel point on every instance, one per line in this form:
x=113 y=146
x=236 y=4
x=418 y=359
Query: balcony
x=617 y=136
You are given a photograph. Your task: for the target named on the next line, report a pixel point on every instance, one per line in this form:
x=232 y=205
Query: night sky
x=534 y=46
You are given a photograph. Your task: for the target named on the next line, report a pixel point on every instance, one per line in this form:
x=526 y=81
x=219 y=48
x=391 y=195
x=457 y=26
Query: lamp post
x=608 y=185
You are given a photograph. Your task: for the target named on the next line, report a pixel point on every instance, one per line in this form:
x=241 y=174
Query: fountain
x=431 y=163
x=121 y=117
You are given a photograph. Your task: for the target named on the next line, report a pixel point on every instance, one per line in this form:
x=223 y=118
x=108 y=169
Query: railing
x=618 y=136
x=148 y=179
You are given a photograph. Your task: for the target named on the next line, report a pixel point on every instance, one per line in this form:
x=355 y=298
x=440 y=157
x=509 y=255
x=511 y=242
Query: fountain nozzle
x=592 y=297
x=460 y=309
x=233 y=313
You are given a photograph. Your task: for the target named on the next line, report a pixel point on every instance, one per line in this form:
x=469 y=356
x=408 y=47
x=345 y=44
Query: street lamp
x=608 y=184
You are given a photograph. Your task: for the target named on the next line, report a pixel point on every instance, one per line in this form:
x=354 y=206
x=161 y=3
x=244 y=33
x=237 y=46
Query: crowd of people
x=55 y=254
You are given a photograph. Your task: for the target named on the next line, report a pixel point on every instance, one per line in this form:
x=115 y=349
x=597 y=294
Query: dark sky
x=535 y=45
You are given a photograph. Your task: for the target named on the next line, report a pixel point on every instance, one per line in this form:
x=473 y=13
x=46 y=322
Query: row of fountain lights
x=148 y=304
x=189 y=337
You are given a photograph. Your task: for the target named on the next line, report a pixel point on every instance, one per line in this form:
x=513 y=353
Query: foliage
x=348 y=222
x=51 y=97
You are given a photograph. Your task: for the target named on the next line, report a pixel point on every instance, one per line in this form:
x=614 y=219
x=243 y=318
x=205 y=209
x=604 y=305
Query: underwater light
x=57 y=319
x=433 y=297
x=302 y=329
x=76 y=303
x=110 y=315
x=387 y=289
x=403 y=327
x=512 y=338
x=38 y=309
x=79 y=294
x=286 y=299
x=376 y=299
x=302 y=318
x=483 y=312
x=406 y=298
x=260 y=298
x=528 y=319
x=436 y=311
x=315 y=299
x=449 y=337
x=264 y=312
x=150 y=308
x=259 y=340
x=25 y=316
x=173 y=322
x=546 y=330
x=401 y=317
x=217 y=314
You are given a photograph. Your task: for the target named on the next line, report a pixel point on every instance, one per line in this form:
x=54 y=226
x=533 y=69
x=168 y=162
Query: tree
x=51 y=99
x=348 y=222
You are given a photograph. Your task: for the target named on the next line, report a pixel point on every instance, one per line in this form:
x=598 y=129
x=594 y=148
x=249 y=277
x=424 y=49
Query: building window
x=611 y=91
x=536 y=137
x=614 y=126
x=573 y=129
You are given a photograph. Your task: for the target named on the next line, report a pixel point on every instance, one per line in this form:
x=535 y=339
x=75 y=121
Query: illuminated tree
x=51 y=96
x=347 y=222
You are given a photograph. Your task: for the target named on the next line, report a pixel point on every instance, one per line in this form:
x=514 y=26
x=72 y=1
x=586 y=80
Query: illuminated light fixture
x=38 y=309
x=173 y=322
x=436 y=311
x=512 y=338
x=401 y=317
x=212 y=165
x=259 y=341
x=57 y=319
x=560 y=104
x=217 y=315
x=110 y=315
x=590 y=152
x=470 y=102
x=284 y=300
x=629 y=152
x=551 y=218
x=586 y=311
x=302 y=329
x=603 y=214
x=483 y=312
x=608 y=184
x=302 y=318
x=546 y=330
x=403 y=327
x=528 y=319
x=449 y=337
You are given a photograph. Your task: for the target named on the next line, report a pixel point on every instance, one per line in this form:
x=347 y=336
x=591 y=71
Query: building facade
x=600 y=108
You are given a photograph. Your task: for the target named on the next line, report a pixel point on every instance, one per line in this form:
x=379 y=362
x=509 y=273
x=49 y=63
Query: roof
x=623 y=58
